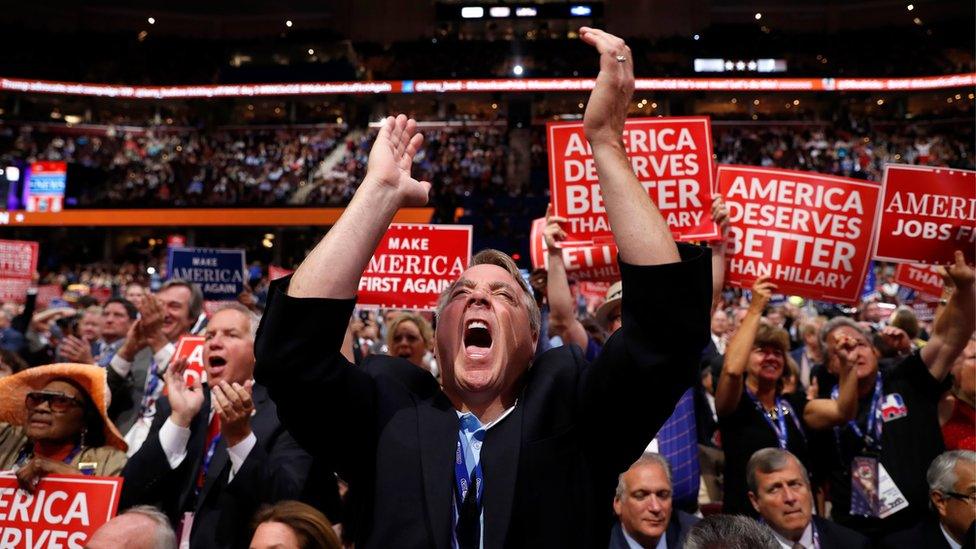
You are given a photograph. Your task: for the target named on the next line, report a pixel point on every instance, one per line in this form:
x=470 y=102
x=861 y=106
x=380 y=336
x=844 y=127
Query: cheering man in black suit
x=513 y=452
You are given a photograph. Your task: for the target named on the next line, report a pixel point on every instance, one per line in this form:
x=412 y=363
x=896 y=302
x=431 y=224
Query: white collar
x=953 y=544
x=662 y=542
x=493 y=422
x=806 y=540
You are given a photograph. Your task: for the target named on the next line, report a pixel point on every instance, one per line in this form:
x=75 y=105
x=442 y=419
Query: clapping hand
x=184 y=399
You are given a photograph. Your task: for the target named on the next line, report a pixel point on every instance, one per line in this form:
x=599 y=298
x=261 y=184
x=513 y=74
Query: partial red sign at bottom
x=64 y=511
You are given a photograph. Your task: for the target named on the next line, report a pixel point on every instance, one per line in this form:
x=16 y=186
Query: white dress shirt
x=662 y=543
x=140 y=429
x=174 y=439
x=953 y=544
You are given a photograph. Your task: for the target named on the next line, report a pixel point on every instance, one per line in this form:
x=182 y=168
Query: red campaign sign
x=927 y=213
x=583 y=261
x=18 y=258
x=413 y=264
x=275 y=272
x=190 y=347
x=64 y=511
x=925 y=308
x=48 y=292
x=810 y=233
x=672 y=158
x=921 y=278
x=14 y=290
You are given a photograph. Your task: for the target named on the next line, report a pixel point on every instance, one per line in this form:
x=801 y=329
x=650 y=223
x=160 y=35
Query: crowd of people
x=514 y=416
x=157 y=167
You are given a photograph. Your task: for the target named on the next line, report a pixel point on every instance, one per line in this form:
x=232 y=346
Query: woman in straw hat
x=53 y=420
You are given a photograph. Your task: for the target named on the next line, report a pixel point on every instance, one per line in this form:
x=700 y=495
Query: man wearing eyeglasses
x=952 y=490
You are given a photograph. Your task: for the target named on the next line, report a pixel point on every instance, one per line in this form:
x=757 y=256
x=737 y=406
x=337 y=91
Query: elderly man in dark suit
x=506 y=454
x=214 y=456
x=779 y=489
x=643 y=504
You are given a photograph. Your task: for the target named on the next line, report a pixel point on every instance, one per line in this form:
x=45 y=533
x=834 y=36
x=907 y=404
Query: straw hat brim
x=14 y=389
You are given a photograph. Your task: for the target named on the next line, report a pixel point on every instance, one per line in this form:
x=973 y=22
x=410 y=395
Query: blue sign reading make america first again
x=219 y=273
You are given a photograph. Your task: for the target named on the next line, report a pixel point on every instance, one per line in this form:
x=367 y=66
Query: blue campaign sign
x=220 y=273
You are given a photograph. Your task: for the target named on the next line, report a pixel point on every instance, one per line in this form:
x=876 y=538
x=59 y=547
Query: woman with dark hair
x=753 y=411
x=10 y=363
x=293 y=525
x=53 y=420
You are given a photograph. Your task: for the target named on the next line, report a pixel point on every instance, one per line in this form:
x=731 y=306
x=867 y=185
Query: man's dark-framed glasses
x=971 y=498
x=58 y=402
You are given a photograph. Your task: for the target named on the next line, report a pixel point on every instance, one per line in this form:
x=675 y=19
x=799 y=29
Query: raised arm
x=823 y=413
x=334 y=267
x=562 y=308
x=642 y=235
x=720 y=214
x=955 y=324
x=729 y=389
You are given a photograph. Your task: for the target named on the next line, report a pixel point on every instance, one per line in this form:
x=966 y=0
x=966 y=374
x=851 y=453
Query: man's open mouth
x=217 y=362
x=477 y=338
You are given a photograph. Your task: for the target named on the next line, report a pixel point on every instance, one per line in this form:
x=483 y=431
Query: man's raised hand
x=391 y=158
x=553 y=233
x=607 y=107
x=185 y=400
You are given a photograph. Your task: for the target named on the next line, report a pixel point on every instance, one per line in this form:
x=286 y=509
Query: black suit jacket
x=835 y=536
x=275 y=469
x=550 y=467
x=678 y=528
x=926 y=534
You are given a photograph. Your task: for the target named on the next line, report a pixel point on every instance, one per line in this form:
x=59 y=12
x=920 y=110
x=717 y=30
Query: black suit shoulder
x=925 y=534
x=834 y=535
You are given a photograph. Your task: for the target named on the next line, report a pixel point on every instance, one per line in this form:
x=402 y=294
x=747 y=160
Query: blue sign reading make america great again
x=219 y=273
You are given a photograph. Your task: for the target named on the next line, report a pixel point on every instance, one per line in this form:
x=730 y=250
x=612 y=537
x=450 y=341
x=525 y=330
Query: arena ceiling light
x=500 y=11
x=526 y=11
x=472 y=12
x=580 y=10
x=151 y=20
x=518 y=70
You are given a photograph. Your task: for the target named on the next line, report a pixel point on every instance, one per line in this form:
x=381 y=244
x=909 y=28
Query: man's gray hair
x=163 y=535
x=253 y=320
x=647 y=458
x=196 y=295
x=833 y=324
x=730 y=532
x=770 y=460
x=941 y=475
x=503 y=260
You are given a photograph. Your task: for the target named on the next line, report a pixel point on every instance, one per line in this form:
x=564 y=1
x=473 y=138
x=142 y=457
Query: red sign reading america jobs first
x=672 y=158
x=413 y=264
x=926 y=214
x=810 y=233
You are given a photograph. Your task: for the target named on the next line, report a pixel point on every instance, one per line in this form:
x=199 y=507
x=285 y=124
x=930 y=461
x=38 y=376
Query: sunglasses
x=58 y=402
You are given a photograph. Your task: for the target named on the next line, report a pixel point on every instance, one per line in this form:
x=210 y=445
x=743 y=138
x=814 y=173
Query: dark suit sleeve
x=149 y=480
x=321 y=397
x=120 y=388
x=645 y=367
x=272 y=474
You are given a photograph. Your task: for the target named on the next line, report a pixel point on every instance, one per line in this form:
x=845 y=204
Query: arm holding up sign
x=642 y=235
x=728 y=393
x=955 y=324
x=562 y=308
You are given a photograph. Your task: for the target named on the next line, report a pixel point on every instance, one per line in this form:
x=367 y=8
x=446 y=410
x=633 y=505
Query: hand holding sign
x=720 y=215
x=553 y=233
x=961 y=274
x=391 y=158
x=185 y=399
x=234 y=406
x=36 y=468
x=762 y=292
